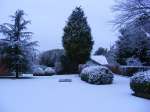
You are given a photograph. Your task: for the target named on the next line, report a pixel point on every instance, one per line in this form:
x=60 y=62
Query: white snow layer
x=141 y=77
x=100 y=59
x=47 y=94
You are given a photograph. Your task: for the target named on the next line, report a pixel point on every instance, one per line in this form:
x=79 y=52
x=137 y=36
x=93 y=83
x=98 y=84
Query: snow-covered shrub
x=82 y=66
x=97 y=75
x=38 y=66
x=87 y=64
x=49 y=71
x=140 y=83
x=38 y=72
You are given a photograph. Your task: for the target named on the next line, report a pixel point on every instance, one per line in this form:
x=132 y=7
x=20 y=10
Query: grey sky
x=49 y=16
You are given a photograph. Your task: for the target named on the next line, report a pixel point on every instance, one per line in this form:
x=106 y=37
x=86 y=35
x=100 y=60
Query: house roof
x=99 y=59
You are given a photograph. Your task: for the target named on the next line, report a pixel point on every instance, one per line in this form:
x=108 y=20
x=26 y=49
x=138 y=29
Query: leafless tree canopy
x=129 y=11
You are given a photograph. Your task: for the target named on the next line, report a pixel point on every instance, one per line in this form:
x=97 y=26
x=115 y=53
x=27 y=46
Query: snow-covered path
x=46 y=94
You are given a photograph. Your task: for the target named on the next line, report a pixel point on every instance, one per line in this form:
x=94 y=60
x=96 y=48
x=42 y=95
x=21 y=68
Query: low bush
x=127 y=70
x=131 y=70
x=34 y=67
x=49 y=71
x=97 y=75
x=38 y=72
x=140 y=84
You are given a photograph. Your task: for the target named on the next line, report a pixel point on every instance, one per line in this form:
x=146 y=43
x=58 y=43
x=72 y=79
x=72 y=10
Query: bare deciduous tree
x=135 y=12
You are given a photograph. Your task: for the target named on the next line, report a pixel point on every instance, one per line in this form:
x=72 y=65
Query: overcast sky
x=48 y=19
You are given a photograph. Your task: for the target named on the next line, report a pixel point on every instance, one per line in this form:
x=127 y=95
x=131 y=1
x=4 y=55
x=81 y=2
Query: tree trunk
x=17 y=71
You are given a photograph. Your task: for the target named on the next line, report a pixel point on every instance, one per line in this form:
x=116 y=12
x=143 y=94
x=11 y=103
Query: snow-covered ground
x=46 y=94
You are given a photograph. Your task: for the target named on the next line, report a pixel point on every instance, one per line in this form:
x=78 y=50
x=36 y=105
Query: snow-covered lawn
x=46 y=94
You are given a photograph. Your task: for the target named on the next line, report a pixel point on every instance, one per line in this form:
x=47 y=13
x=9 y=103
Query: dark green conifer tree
x=77 y=39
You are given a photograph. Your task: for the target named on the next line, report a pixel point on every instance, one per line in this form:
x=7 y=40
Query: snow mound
x=97 y=75
x=49 y=71
x=38 y=72
x=140 y=82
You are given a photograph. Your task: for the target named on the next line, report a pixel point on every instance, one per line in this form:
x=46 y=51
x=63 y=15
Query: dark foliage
x=16 y=48
x=50 y=57
x=140 y=84
x=77 y=40
x=101 y=51
x=133 y=43
x=68 y=66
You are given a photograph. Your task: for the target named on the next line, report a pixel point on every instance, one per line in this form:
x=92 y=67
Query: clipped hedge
x=127 y=70
x=131 y=70
x=97 y=75
x=140 y=84
x=48 y=71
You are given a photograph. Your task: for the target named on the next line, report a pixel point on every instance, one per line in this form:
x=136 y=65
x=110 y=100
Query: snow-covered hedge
x=97 y=75
x=140 y=82
x=38 y=72
x=49 y=71
x=43 y=71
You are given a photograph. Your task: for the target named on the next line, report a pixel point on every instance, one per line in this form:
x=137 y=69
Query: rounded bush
x=140 y=83
x=97 y=75
x=49 y=71
x=38 y=72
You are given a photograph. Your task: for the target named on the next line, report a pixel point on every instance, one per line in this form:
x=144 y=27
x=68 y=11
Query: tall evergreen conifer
x=17 y=49
x=77 y=38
